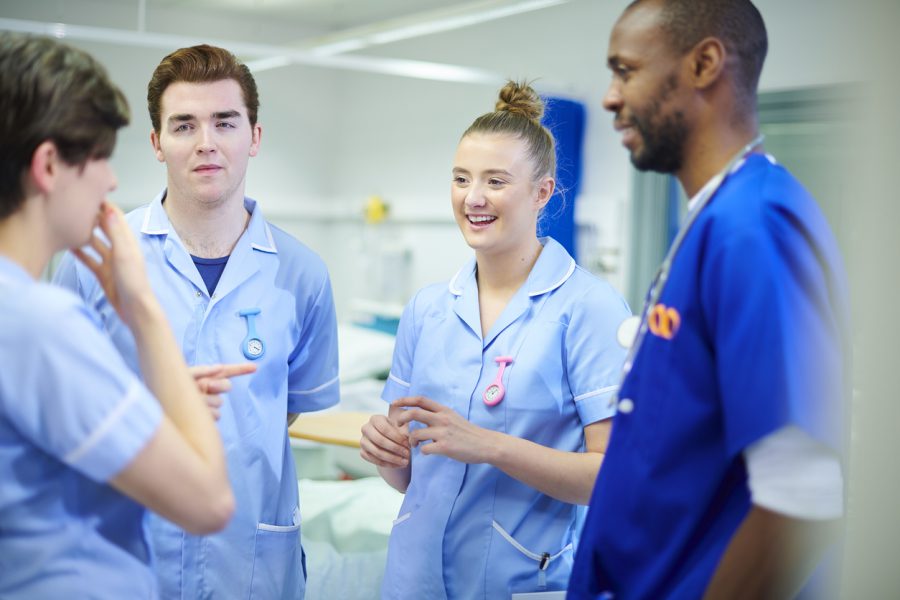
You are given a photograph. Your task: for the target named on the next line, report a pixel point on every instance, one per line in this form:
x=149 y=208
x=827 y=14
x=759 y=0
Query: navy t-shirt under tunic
x=210 y=270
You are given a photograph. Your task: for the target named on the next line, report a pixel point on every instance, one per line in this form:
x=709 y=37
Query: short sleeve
x=766 y=294
x=313 y=365
x=74 y=396
x=594 y=357
x=398 y=381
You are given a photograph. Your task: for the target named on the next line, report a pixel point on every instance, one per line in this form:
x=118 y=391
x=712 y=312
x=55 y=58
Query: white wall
x=333 y=138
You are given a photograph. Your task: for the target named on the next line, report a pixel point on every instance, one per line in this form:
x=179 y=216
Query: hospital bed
x=347 y=509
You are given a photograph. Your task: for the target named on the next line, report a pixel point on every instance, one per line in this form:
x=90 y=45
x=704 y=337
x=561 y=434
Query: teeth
x=481 y=219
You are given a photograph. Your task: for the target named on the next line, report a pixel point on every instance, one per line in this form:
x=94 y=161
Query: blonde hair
x=518 y=113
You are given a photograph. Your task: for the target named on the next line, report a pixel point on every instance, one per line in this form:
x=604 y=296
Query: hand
x=450 y=434
x=384 y=443
x=120 y=270
x=213 y=380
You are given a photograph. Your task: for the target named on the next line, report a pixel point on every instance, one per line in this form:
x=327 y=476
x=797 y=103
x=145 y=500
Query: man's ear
x=157 y=149
x=45 y=166
x=707 y=62
x=256 y=139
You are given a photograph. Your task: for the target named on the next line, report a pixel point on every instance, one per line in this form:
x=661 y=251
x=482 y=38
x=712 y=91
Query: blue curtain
x=565 y=119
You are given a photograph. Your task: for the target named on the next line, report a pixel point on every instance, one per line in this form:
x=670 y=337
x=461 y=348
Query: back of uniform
x=72 y=416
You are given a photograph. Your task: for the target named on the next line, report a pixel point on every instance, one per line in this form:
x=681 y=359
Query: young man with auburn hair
x=234 y=287
x=85 y=445
x=723 y=475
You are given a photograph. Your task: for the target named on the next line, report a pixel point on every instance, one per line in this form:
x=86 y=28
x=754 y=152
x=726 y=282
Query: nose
x=612 y=100
x=205 y=142
x=474 y=197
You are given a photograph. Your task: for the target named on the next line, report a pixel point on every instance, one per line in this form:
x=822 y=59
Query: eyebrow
x=183 y=117
x=487 y=171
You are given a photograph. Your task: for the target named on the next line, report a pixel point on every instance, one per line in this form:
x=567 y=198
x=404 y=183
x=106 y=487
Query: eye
x=460 y=180
x=495 y=182
x=226 y=125
x=621 y=71
x=183 y=127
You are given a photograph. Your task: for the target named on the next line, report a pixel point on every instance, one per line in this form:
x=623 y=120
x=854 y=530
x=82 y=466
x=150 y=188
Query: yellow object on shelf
x=376 y=210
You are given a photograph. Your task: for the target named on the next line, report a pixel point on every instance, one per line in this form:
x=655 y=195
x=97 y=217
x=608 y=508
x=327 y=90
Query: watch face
x=492 y=392
x=255 y=347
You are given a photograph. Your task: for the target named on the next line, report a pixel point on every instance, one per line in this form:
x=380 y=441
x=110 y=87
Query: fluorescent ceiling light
x=422 y=24
x=258 y=56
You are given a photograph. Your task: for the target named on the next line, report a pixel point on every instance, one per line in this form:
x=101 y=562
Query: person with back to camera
x=84 y=444
x=500 y=385
x=724 y=470
x=234 y=287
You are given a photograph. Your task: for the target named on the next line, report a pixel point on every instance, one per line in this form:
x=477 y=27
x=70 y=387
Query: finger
x=376 y=461
x=216 y=414
x=380 y=456
x=213 y=400
x=88 y=261
x=100 y=247
x=200 y=371
x=236 y=369
x=214 y=385
x=222 y=371
x=424 y=434
x=417 y=414
x=112 y=221
x=390 y=431
x=384 y=435
x=420 y=402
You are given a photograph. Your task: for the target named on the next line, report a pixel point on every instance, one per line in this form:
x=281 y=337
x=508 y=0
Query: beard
x=663 y=144
x=663 y=136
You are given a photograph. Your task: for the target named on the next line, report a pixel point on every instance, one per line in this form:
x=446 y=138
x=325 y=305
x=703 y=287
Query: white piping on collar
x=271 y=249
x=145 y=226
x=457 y=292
x=452 y=285
x=557 y=284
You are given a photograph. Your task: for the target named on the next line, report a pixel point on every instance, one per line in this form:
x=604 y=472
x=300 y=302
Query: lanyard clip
x=545 y=561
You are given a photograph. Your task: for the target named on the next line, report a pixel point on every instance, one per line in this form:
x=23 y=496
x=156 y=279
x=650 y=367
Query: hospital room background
x=362 y=105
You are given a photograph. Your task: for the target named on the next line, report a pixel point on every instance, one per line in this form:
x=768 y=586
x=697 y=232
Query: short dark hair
x=52 y=92
x=200 y=64
x=737 y=23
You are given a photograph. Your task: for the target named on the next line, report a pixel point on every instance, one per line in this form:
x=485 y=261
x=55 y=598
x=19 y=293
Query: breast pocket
x=278 y=566
x=536 y=379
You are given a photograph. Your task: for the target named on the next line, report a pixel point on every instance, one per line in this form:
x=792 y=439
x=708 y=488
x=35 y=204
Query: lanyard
x=662 y=274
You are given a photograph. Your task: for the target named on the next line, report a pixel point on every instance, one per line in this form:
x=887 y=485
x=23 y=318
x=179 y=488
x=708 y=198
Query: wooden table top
x=339 y=428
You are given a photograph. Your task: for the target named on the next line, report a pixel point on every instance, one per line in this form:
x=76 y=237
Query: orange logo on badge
x=663 y=321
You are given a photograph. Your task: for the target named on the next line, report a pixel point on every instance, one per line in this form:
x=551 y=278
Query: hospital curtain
x=655 y=210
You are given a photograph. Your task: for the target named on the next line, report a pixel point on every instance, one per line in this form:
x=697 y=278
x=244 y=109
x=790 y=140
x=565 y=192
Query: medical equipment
x=252 y=346
x=494 y=393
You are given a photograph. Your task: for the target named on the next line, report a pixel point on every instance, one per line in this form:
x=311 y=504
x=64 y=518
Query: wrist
x=496 y=448
x=143 y=313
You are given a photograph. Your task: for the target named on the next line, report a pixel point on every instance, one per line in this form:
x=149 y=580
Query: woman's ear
x=545 y=191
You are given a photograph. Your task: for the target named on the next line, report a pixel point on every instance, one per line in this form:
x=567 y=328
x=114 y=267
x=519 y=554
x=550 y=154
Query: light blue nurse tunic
x=471 y=531
x=258 y=555
x=72 y=416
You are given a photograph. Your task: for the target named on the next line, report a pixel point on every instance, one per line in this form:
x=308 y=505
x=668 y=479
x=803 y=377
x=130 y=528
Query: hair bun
x=518 y=97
